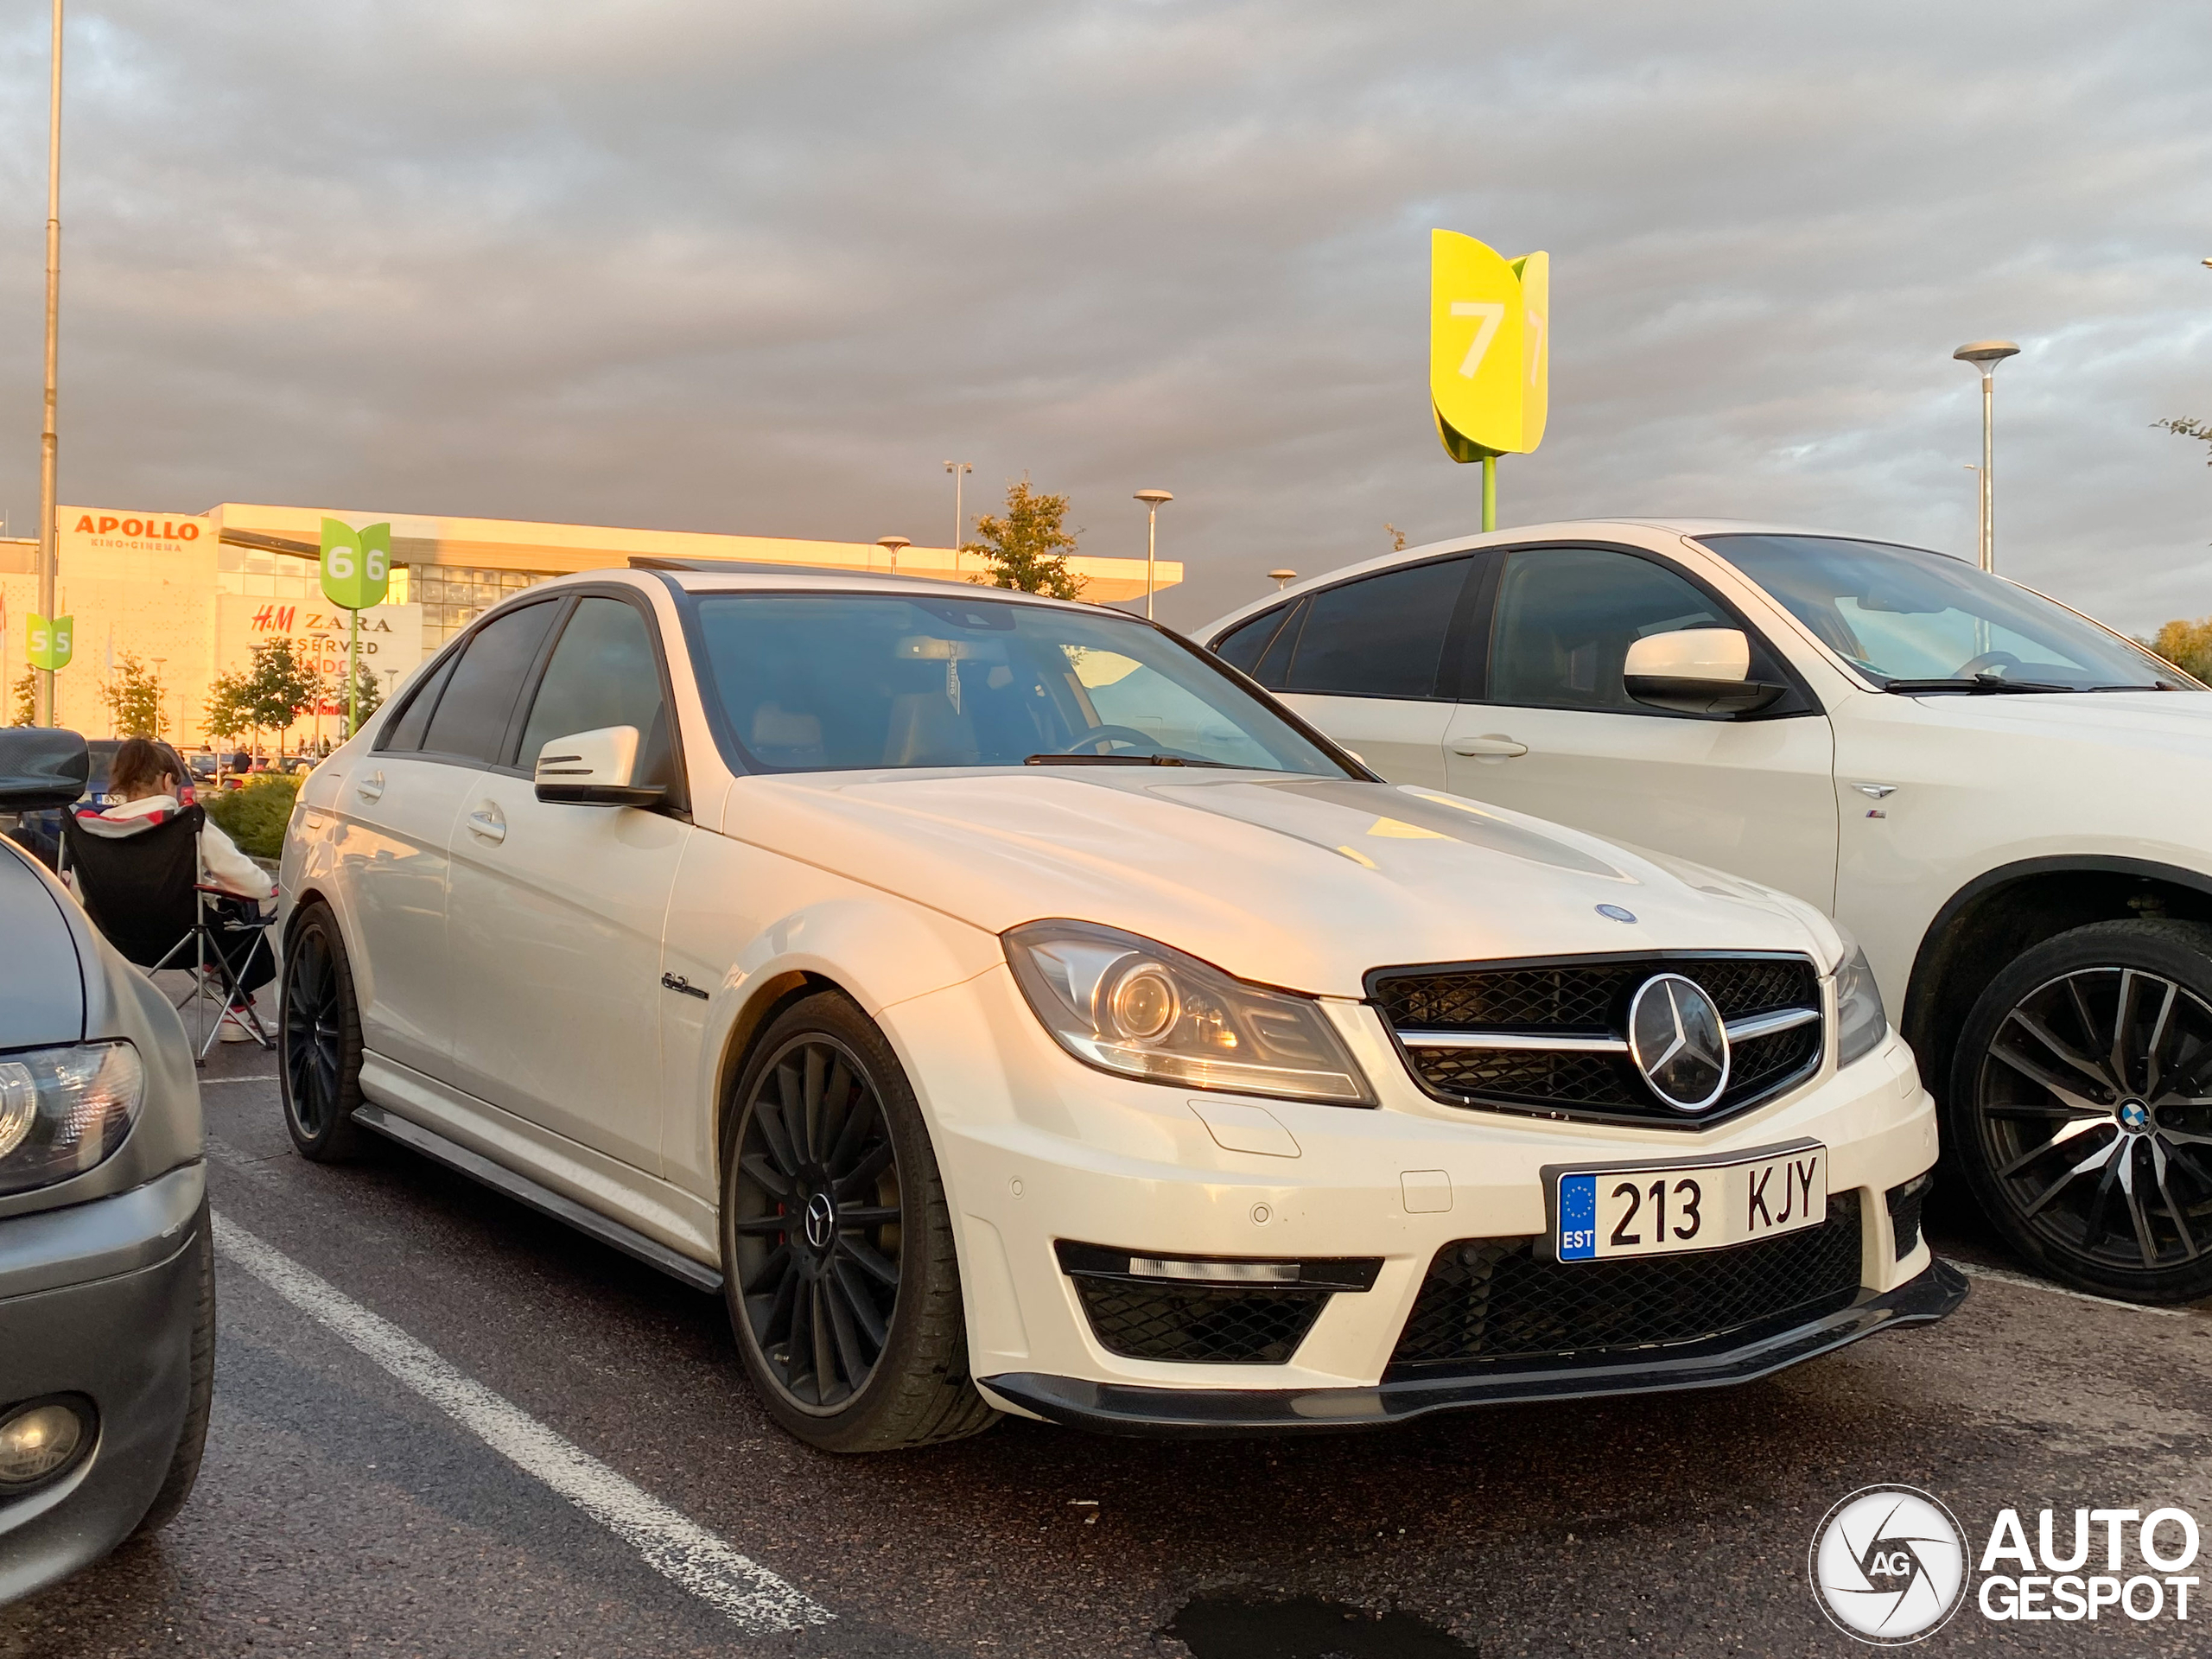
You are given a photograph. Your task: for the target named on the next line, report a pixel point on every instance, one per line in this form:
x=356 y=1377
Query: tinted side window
x=1242 y=646
x=471 y=720
x=603 y=673
x=1566 y=617
x=1274 y=661
x=404 y=730
x=1382 y=636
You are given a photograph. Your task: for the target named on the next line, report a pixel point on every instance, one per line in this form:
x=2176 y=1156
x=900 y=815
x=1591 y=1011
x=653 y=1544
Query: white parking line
x=258 y=1076
x=2006 y=1276
x=672 y=1543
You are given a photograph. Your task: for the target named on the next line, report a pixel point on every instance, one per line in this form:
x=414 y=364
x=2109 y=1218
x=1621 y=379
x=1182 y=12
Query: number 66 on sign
x=356 y=564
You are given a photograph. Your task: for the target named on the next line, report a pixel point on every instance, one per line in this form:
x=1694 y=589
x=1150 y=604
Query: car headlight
x=64 y=1109
x=1129 y=1006
x=1862 y=1022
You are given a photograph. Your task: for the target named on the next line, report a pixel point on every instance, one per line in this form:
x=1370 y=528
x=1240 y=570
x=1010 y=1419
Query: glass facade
x=452 y=596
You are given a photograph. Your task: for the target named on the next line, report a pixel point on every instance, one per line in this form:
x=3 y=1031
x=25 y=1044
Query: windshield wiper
x=1977 y=685
x=1121 y=761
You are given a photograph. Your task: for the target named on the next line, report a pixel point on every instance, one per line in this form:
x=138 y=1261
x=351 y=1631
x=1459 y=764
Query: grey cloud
x=764 y=268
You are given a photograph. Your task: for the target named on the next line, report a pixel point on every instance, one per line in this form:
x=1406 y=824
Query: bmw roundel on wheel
x=1007 y=1008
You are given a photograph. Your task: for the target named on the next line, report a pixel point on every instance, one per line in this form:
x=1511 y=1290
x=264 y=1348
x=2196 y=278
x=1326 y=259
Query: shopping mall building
x=191 y=594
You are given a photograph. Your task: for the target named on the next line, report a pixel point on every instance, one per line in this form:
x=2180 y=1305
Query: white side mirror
x=1696 y=671
x=595 y=769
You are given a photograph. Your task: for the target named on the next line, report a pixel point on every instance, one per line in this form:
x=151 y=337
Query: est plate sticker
x=1648 y=1210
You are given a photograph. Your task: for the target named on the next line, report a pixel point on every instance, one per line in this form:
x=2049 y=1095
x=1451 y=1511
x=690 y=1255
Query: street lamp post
x=1986 y=355
x=48 y=552
x=1151 y=499
x=1283 y=579
x=892 y=544
x=959 y=469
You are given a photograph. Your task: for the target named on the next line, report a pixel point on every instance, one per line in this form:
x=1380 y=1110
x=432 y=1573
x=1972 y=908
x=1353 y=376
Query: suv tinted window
x=471 y=719
x=603 y=673
x=1382 y=636
x=1566 y=617
x=1242 y=646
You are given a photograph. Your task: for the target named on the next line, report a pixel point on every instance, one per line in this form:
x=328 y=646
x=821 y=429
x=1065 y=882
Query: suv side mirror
x=41 y=766
x=1696 y=671
x=595 y=769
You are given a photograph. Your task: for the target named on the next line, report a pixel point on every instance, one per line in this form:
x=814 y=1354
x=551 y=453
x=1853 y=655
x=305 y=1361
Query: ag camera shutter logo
x=1888 y=1564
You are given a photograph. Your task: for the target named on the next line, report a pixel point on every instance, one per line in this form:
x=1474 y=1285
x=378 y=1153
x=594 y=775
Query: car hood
x=2175 y=721
x=42 y=983
x=1297 y=881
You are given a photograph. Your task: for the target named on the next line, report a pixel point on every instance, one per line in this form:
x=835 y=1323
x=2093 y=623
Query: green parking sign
x=52 y=640
x=356 y=564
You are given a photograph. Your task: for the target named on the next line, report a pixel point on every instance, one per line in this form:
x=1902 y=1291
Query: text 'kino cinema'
x=190 y=594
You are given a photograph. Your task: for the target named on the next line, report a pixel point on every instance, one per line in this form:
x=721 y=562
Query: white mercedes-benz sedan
x=1010 y=1008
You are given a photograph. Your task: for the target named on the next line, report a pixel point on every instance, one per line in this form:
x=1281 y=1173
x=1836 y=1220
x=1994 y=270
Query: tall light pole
x=1283 y=579
x=48 y=552
x=892 y=544
x=1986 y=355
x=959 y=469
x=1151 y=499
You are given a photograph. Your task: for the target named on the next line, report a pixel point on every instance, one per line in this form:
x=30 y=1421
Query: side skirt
x=523 y=1190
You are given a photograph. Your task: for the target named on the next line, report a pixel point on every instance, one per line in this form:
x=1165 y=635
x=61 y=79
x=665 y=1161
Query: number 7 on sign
x=1492 y=312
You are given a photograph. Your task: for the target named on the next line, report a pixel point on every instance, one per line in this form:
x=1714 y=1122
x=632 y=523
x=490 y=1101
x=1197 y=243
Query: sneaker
x=235 y=1030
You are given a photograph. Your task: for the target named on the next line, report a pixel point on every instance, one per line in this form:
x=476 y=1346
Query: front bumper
x=98 y=1300
x=1038 y=1153
x=1122 y=1408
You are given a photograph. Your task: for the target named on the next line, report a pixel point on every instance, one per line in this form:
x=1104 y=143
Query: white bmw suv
x=2005 y=799
x=1007 y=1008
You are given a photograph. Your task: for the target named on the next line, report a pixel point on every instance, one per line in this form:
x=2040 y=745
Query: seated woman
x=145 y=783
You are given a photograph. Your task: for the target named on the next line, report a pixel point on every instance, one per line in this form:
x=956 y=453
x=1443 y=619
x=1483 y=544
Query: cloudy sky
x=763 y=267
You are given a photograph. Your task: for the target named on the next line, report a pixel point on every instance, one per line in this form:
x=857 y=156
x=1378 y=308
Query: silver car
x=107 y=1296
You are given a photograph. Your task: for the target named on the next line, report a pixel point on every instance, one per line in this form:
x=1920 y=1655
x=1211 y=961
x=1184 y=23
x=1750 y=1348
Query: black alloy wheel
x=2082 y=1108
x=836 y=1245
x=319 y=1041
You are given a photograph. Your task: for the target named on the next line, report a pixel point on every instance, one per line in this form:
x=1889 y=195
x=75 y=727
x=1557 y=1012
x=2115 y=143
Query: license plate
x=1660 y=1209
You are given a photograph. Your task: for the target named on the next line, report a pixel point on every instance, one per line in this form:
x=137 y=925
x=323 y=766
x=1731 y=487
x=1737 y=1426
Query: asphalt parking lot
x=376 y=1321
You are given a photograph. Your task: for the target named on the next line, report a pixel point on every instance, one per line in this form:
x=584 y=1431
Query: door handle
x=371 y=788
x=487 y=822
x=1490 y=745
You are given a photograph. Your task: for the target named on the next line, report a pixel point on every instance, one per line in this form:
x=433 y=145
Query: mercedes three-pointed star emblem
x=1677 y=1040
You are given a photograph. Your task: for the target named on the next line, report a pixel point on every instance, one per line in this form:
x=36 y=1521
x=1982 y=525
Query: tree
x=368 y=694
x=2181 y=427
x=1027 y=549
x=1397 y=537
x=2186 y=644
x=26 y=695
x=278 y=686
x=133 y=695
x=226 y=714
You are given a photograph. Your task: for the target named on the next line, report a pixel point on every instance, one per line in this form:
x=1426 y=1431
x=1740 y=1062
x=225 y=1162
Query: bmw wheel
x=837 y=1252
x=319 y=1041
x=2081 y=1107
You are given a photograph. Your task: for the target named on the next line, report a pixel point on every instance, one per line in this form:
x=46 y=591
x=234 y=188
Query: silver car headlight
x=1129 y=1006
x=62 y=1110
x=1862 y=1022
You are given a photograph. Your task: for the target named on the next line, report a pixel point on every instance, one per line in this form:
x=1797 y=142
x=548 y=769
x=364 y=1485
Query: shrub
x=255 y=816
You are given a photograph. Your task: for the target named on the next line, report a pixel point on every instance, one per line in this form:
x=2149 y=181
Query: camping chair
x=139 y=882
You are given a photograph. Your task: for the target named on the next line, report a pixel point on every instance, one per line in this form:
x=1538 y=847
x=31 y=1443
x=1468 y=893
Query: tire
x=2080 y=1110
x=837 y=1255
x=319 y=1041
x=184 y=1462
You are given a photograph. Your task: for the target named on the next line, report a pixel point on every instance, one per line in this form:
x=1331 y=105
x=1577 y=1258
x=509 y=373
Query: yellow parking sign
x=1489 y=346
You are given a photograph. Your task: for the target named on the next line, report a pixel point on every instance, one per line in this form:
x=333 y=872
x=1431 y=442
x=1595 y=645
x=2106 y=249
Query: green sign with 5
x=51 y=641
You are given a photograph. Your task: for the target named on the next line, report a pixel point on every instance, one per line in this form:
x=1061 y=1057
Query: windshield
x=838 y=682
x=1902 y=614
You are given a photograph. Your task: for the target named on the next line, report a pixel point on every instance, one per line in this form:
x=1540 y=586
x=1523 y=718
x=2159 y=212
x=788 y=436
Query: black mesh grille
x=1590 y=997
x=1488 y=1299
x=1905 y=1204
x=1197 y=1324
